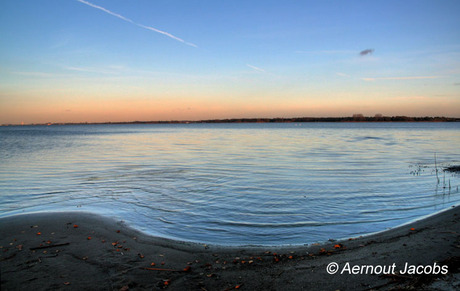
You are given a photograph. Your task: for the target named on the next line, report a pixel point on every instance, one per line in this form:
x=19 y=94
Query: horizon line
x=353 y=118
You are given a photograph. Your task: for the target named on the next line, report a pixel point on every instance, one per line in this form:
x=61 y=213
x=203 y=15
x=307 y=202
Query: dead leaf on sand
x=187 y=269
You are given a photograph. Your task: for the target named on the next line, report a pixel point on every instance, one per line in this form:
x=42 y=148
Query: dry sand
x=81 y=251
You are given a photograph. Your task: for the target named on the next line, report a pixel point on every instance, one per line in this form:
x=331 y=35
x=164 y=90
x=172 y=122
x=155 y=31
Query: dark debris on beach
x=453 y=169
x=52 y=253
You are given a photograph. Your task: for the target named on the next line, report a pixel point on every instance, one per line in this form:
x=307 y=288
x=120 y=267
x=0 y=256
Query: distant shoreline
x=355 y=118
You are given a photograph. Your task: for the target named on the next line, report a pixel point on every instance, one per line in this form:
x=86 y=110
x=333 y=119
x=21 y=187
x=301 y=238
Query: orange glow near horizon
x=75 y=62
x=123 y=110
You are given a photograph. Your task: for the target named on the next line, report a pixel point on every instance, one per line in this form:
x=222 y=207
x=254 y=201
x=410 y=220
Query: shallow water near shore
x=235 y=184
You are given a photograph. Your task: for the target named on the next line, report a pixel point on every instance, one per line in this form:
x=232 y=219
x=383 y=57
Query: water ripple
x=234 y=184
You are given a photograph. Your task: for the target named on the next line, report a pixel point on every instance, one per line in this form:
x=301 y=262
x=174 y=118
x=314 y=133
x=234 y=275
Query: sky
x=144 y=60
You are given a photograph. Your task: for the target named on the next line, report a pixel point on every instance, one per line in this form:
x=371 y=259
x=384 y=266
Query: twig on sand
x=7 y=258
x=160 y=269
x=49 y=246
x=186 y=269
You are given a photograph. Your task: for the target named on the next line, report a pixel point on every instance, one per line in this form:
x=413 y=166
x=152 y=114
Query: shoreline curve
x=77 y=250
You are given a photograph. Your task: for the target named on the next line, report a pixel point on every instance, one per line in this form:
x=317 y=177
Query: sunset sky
x=119 y=60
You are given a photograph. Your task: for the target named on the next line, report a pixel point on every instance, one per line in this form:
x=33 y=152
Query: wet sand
x=81 y=251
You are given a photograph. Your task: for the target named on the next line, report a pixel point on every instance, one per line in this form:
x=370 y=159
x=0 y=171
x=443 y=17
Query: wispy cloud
x=400 y=78
x=255 y=68
x=342 y=74
x=110 y=70
x=366 y=52
x=35 y=74
x=135 y=23
x=78 y=69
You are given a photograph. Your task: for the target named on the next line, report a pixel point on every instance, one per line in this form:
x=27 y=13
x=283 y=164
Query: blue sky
x=120 y=60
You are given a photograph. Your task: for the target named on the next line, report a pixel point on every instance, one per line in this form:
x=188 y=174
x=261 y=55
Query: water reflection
x=235 y=183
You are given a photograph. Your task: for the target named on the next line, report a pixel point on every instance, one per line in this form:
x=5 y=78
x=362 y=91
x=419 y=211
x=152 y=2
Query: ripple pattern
x=235 y=184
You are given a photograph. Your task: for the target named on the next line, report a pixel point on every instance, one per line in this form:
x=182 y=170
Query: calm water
x=236 y=184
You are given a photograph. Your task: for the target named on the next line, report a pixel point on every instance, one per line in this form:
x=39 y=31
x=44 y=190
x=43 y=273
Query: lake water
x=235 y=184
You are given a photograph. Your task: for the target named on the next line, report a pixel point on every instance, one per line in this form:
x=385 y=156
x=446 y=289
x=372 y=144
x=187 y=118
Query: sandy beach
x=81 y=251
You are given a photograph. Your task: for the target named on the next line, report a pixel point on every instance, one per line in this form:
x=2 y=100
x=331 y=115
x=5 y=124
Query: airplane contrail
x=135 y=23
x=256 y=68
x=166 y=33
